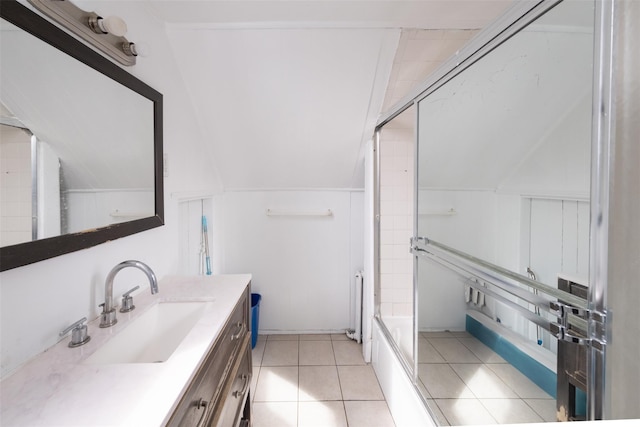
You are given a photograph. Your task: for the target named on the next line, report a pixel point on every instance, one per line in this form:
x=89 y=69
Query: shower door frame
x=604 y=87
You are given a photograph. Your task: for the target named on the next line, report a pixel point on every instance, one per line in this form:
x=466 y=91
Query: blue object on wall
x=534 y=370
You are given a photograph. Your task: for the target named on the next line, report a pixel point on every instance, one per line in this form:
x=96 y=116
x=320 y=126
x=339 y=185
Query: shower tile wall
x=419 y=53
x=396 y=222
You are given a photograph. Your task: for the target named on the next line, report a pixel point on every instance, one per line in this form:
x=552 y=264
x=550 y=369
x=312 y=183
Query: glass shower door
x=503 y=190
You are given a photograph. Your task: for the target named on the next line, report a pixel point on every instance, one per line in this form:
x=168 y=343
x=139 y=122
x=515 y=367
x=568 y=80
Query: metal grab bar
x=540 y=322
x=567 y=315
x=424 y=245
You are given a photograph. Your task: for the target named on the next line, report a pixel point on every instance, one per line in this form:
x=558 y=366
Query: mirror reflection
x=502 y=207
x=77 y=147
x=503 y=176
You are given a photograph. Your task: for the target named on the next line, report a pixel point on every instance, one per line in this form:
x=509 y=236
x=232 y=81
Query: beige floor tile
x=319 y=383
x=277 y=384
x=442 y=382
x=511 y=411
x=275 y=414
x=315 y=337
x=316 y=353
x=481 y=351
x=280 y=353
x=359 y=383
x=483 y=382
x=348 y=353
x=282 y=337
x=461 y=334
x=257 y=352
x=340 y=337
x=546 y=408
x=461 y=412
x=453 y=350
x=423 y=389
x=254 y=381
x=437 y=334
x=519 y=382
x=368 y=414
x=427 y=353
x=321 y=414
x=440 y=419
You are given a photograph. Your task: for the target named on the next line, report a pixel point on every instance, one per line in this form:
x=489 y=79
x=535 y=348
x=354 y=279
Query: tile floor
x=315 y=380
x=322 y=380
x=467 y=383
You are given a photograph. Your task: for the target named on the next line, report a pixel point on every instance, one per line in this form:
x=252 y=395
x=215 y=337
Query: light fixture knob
x=135 y=49
x=113 y=25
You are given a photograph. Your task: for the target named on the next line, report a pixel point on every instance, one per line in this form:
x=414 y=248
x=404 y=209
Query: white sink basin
x=152 y=337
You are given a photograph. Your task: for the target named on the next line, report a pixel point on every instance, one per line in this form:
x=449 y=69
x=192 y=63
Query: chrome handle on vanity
x=202 y=404
x=245 y=386
x=79 y=334
x=238 y=334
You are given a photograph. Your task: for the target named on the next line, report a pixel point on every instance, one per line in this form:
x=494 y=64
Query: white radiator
x=356 y=334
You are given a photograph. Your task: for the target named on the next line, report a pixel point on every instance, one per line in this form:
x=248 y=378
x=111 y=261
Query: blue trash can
x=255 y=317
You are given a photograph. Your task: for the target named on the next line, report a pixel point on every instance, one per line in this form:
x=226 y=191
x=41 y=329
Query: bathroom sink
x=152 y=337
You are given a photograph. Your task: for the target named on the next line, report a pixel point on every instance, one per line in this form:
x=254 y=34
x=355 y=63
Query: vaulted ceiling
x=288 y=92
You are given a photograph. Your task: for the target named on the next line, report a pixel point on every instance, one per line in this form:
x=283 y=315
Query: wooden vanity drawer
x=232 y=409
x=205 y=393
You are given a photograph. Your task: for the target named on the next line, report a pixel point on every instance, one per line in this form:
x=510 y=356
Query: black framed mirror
x=104 y=127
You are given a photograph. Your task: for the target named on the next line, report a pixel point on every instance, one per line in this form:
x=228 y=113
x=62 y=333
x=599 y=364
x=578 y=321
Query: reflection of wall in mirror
x=486 y=224
x=526 y=110
x=48 y=204
x=119 y=128
x=86 y=209
x=18 y=208
x=15 y=186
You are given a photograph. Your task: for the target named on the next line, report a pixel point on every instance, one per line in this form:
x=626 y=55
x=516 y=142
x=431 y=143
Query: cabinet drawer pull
x=238 y=334
x=245 y=386
x=202 y=404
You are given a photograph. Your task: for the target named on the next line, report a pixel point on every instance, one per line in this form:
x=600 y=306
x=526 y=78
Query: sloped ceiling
x=519 y=119
x=285 y=107
x=287 y=92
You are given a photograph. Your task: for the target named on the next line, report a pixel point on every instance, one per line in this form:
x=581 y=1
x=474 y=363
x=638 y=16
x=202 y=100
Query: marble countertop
x=56 y=388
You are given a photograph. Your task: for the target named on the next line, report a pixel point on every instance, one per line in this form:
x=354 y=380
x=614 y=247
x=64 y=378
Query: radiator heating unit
x=356 y=332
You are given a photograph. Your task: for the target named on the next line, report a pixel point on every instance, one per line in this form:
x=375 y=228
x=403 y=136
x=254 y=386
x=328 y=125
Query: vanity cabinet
x=218 y=395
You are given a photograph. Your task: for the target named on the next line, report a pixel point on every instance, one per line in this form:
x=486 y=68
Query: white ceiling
x=519 y=119
x=287 y=92
x=425 y=14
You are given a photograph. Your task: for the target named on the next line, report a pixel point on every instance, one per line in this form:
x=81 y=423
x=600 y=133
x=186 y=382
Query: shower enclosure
x=499 y=168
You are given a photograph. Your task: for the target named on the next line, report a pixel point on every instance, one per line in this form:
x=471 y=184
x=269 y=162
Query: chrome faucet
x=108 y=316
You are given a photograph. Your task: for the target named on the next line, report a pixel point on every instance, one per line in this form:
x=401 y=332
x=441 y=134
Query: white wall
x=485 y=224
x=44 y=298
x=551 y=236
x=303 y=266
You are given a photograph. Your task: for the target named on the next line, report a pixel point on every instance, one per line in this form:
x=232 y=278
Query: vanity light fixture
x=105 y=34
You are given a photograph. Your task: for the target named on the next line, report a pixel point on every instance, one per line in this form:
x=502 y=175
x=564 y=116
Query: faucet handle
x=127 y=301
x=79 y=334
x=107 y=318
